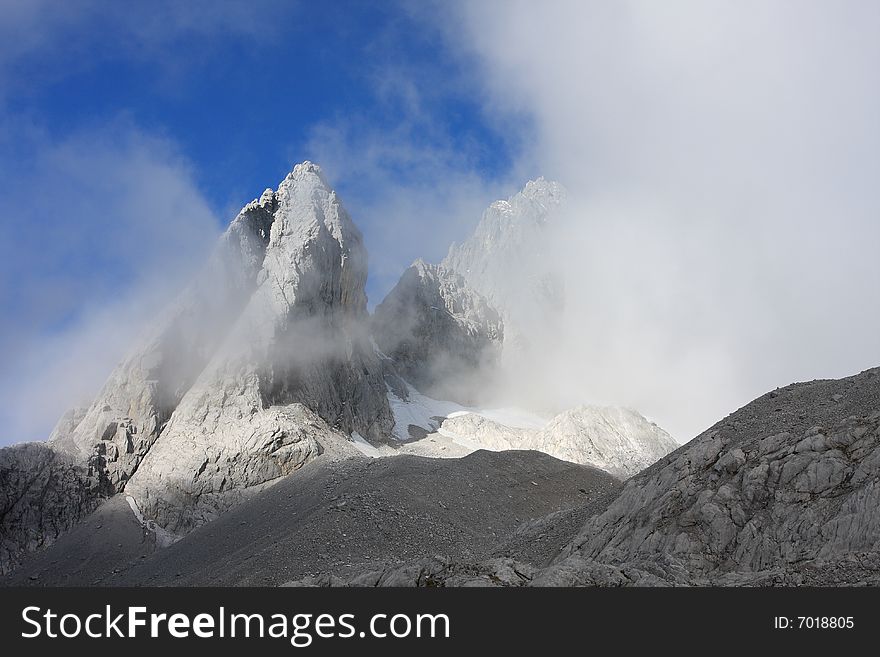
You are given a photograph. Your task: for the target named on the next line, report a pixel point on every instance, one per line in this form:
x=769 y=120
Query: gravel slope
x=783 y=492
x=342 y=517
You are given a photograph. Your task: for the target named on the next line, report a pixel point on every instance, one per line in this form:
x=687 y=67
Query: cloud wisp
x=721 y=161
x=103 y=228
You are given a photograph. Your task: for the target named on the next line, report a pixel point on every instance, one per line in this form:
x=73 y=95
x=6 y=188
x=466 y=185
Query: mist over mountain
x=267 y=388
x=269 y=358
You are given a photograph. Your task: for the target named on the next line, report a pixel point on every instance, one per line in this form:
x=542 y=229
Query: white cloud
x=99 y=230
x=722 y=159
x=410 y=184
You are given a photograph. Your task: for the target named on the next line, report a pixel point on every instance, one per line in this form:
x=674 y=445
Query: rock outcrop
x=441 y=335
x=791 y=479
x=295 y=365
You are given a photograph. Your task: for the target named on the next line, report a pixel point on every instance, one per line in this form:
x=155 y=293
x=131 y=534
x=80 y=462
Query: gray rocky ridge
x=789 y=483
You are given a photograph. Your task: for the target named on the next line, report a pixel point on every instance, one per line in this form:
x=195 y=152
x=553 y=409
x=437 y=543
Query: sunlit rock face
x=295 y=366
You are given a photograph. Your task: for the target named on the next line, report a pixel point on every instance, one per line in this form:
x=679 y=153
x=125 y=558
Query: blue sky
x=131 y=133
x=721 y=160
x=240 y=103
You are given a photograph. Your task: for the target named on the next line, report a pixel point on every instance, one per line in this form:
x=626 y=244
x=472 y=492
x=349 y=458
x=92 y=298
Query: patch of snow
x=365 y=447
x=420 y=411
x=164 y=538
x=134 y=509
x=617 y=440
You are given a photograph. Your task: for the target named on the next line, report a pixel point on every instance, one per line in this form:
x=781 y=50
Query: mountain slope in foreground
x=785 y=491
x=335 y=515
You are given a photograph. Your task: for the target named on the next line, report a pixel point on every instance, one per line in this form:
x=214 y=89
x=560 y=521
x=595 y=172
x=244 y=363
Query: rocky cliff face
x=442 y=336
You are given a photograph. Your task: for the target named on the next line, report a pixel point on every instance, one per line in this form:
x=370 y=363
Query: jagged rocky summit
x=465 y=329
x=495 y=296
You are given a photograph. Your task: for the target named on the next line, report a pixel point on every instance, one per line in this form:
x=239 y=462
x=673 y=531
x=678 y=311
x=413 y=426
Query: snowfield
x=618 y=440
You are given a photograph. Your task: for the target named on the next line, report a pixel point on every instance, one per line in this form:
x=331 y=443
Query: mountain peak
x=304 y=171
x=542 y=190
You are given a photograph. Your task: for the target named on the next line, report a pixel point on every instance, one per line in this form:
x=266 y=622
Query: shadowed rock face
x=42 y=495
x=442 y=336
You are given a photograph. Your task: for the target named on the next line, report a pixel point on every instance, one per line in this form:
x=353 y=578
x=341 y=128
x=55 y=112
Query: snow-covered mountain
x=269 y=359
x=509 y=261
x=617 y=440
x=438 y=327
